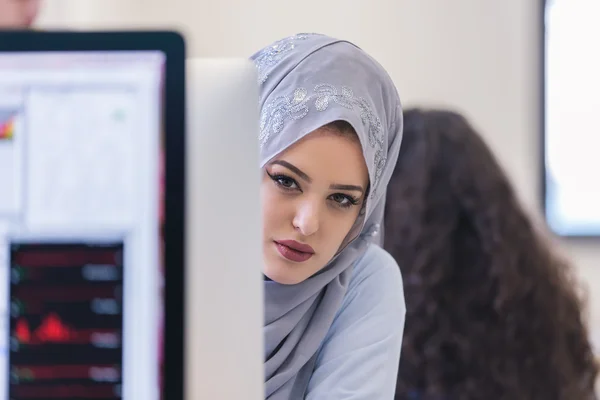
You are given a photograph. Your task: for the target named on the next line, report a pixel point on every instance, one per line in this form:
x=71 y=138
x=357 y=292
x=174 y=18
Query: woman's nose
x=307 y=218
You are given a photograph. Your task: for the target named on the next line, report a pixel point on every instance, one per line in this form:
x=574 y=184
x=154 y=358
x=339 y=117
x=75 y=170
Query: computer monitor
x=224 y=280
x=86 y=121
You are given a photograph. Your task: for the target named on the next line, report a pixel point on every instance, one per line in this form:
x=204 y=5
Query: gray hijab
x=307 y=81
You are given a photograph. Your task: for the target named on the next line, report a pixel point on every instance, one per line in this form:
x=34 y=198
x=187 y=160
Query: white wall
x=479 y=57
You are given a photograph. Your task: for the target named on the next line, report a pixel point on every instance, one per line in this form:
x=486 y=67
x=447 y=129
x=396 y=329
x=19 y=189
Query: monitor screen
x=572 y=140
x=80 y=225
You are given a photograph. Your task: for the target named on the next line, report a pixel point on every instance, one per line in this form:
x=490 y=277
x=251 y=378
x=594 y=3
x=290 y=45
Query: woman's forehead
x=328 y=156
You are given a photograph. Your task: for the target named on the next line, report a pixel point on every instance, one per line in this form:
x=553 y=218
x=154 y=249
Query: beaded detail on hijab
x=273 y=54
x=297 y=105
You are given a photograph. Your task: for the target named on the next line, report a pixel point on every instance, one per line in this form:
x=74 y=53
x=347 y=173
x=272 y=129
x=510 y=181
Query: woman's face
x=312 y=194
x=18 y=14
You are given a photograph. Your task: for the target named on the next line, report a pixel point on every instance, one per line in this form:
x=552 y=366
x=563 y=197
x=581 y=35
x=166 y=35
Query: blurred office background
x=479 y=57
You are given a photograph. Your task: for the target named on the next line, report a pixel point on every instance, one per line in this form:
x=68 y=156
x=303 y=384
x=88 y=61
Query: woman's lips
x=294 y=251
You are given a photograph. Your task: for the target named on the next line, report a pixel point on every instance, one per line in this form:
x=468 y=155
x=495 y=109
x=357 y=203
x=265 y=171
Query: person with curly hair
x=492 y=311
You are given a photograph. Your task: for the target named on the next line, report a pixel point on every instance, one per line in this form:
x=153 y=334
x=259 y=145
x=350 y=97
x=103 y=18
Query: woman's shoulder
x=366 y=335
x=376 y=282
x=375 y=267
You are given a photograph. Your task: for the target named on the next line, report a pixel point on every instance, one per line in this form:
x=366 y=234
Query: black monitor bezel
x=172 y=44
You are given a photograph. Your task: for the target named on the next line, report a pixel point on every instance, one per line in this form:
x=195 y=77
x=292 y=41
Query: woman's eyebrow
x=294 y=169
x=347 y=187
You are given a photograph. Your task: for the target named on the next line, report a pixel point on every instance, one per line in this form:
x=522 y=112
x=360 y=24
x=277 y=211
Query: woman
x=492 y=311
x=330 y=134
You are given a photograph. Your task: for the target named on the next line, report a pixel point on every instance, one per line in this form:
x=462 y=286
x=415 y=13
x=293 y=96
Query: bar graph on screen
x=66 y=320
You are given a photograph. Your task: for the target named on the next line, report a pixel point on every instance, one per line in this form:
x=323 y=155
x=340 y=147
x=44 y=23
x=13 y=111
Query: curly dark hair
x=492 y=311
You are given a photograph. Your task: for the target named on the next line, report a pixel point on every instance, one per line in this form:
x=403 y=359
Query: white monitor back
x=224 y=301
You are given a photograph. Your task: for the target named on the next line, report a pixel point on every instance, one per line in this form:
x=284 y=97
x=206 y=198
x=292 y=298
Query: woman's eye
x=344 y=200
x=283 y=181
x=286 y=182
x=340 y=198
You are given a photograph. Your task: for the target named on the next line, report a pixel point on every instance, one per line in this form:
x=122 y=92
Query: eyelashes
x=345 y=199
x=289 y=184
x=284 y=181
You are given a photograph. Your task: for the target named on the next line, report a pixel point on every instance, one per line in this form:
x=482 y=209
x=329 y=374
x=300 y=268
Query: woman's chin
x=279 y=275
